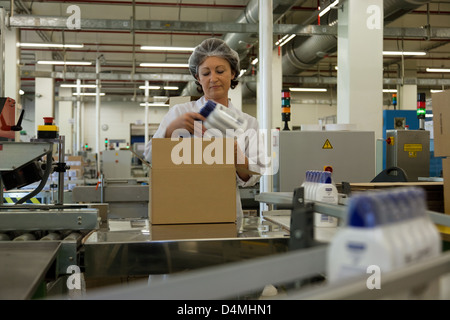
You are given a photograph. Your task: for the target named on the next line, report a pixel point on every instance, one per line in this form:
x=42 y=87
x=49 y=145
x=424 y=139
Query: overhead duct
x=243 y=42
x=304 y=52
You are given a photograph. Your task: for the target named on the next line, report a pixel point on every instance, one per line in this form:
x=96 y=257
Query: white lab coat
x=195 y=106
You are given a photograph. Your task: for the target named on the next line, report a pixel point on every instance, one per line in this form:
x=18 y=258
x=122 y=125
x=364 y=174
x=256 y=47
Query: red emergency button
x=328 y=168
x=390 y=140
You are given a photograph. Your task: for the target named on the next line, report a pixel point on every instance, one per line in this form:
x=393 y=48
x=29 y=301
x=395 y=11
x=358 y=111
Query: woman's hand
x=240 y=161
x=185 y=121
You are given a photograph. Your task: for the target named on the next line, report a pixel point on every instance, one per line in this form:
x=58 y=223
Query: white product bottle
x=325 y=192
x=222 y=118
x=360 y=245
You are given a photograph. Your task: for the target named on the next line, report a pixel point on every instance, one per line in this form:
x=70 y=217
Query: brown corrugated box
x=446 y=175
x=441 y=123
x=193 y=231
x=194 y=191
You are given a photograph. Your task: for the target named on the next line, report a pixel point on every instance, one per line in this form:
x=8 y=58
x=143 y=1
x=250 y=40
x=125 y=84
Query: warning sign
x=327 y=145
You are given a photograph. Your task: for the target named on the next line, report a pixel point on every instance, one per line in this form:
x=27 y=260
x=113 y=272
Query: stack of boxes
x=73 y=176
x=441 y=130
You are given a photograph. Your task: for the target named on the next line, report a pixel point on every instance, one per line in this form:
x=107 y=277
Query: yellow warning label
x=410 y=147
x=412 y=154
x=327 y=145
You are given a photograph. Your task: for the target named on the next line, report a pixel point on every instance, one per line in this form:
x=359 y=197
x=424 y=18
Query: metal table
x=23 y=266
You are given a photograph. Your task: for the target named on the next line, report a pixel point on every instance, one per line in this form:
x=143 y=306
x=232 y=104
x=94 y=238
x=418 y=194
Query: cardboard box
x=193 y=231
x=446 y=175
x=441 y=123
x=193 y=190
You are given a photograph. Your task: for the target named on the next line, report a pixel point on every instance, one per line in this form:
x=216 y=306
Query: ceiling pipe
x=304 y=52
x=243 y=42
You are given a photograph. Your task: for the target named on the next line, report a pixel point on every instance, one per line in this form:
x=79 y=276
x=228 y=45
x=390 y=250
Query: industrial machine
x=42 y=241
x=409 y=150
x=350 y=155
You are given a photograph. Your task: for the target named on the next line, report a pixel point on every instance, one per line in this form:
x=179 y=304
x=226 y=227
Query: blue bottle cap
x=363 y=212
x=207 y=108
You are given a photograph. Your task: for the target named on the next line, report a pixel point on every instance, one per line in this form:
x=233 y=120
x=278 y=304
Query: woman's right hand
x=185 y=121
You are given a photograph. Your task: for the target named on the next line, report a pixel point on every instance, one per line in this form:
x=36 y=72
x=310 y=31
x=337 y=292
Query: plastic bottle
x=325 y=192
x=222 y=118
x=360 y=244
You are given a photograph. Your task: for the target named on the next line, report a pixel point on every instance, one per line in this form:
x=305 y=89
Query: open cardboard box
x=192 y=180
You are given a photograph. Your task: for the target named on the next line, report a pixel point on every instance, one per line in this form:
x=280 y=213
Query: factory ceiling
x=112 y=33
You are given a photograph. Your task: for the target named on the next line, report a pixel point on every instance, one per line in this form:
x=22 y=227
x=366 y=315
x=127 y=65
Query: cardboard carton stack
x=441 y=130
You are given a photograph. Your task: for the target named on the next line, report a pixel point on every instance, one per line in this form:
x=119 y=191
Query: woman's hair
x=214 y=47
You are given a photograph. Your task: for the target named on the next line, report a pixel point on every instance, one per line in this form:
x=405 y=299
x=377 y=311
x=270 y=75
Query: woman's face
x=215 y=76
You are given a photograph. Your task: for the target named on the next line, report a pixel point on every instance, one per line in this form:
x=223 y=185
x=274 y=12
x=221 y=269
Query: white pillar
x=44 y=91
x=407 y=93
x=12 y=72
x=65 y=117
x=264 y=110
x=78 y=119
x=360 y=65
x=146 y=92
x=277 y=86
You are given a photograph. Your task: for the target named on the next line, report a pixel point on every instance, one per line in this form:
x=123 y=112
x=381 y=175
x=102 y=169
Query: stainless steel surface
x=410 y=151
x=44 y=218
x=125 y=200
x=226 y=281
x=15 y=154
x=23 y=266
x=350 y=153
x=339 y=211
x=127 y=248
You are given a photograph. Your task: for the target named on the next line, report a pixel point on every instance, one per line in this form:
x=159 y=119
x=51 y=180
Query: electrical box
x=410 y=151
x=350 y=155
x=116 y=163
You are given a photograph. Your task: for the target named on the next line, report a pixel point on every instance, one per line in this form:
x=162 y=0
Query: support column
x=12 y=74
x=407 y=93
x=277 y=86
x=65 y=117
x=360 y=65
x=264 y=110
x=44 y=91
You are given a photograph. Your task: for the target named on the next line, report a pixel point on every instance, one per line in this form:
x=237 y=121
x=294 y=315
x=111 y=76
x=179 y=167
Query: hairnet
x=213 y=47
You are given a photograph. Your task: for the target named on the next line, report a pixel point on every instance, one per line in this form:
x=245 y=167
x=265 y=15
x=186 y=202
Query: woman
x=215 y=67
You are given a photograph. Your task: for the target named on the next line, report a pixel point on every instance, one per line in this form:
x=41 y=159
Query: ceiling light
x=154 y=104
x=287 y=40
x=437 y=70
x=328 y=8
x=21 y=92
x=390 y=90
x=165 y=65
x=84 y=63
x=436 y=91
x=153 y=48
x=308 y=89
x=88 y=94
x=150 y=87
x=242 y=72
x=66 y=85
x=404 y=53
x=170 y=88
x=49 y=45
x=255 y=61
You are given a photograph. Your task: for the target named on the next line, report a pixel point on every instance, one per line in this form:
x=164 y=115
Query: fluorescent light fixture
x=165 y=65
x=429 y=115
x=155 y=48
x=66 y=85
x=308 y=89
x=154 y=104
x=49 y=45
x=404 y=53
x=242 y=72
x=150 y=87
x=254 y=61
x=289 y=38
x=21 y=92
x=83 y=63
x=170 y=88
x=281 y=40
x=390 y=90
x=437 y=70
x=436 y=91
x=88 y=94
x=328 y=8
